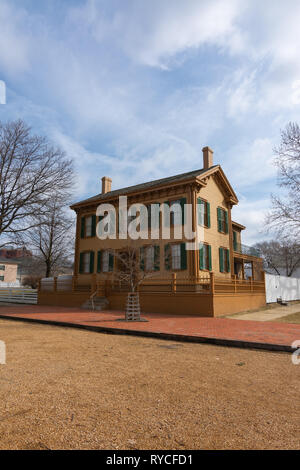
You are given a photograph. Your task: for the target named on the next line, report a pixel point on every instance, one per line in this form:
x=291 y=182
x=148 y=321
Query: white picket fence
x=286 y=288
x=18 y=295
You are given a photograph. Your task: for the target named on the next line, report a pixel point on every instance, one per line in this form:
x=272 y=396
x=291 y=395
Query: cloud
x=14 y=43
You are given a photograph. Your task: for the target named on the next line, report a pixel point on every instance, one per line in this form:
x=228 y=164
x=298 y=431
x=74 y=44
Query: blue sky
x=133 y=89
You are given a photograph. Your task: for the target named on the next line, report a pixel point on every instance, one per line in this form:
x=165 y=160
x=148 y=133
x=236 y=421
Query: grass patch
x=293 y=318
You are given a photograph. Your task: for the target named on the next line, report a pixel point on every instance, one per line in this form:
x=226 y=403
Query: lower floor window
x=205 y=257
x=86 y=262
x=224 y=258
x=1 y=278
x=176 y=258
x=105 y=261
x=149 y=258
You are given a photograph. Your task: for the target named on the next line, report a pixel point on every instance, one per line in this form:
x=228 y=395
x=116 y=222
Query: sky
x=133 y=89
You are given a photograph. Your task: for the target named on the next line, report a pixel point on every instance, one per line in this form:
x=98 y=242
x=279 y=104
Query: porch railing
x=205 y=284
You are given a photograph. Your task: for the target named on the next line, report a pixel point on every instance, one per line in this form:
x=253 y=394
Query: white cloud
x=14 y=43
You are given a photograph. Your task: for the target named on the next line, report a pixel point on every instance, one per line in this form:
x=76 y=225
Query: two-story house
x=217 y=254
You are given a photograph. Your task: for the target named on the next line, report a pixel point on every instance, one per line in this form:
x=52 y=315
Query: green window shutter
x=93 y=225
x=201 y=256
x=226 y=221
x=81 y=263
x=183 y=257
x=167 y=217
x=228 y=260
x=99 y=262
x=156 y=258
x=219 y=213
x=110 y=262
x=182 y=204
x=234 y=240
x=167 y=250
x=142 y=258
x=91 y=261
x=82 y=229
x=209 y=257
x=221 y=259
x=208 y=214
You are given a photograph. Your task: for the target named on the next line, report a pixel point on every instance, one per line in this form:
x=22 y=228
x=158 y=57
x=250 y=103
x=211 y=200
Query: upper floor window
x=203 y=212
x=2 y=267
x=88 y=226
x=222 y=220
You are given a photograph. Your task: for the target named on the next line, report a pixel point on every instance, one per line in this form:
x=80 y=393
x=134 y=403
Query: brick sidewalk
x=223 y=331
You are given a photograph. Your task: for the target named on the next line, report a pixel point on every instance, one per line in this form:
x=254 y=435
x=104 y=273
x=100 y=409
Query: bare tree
x=285 y=214
x=31 y=171
x=281 y=256
x=131 y=270
x=51 y=238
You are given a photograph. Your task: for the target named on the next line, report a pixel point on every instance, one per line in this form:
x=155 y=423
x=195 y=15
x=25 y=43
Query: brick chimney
x=208 y=159
x=106 y=184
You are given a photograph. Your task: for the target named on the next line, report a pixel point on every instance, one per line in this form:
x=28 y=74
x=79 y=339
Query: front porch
x=203 y=296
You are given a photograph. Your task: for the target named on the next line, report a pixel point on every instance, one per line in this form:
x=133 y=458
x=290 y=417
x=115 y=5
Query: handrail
x=92 y=299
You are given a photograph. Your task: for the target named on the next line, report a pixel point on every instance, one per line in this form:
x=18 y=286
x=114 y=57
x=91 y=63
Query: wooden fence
x=18 y=295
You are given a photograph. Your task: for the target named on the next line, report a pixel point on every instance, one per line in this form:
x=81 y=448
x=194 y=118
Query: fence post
x=55 y=284
x=251 y=284
x=73 y=284
x=235 y=276
x=212 y=282
x=174 y=275
x=39 y=285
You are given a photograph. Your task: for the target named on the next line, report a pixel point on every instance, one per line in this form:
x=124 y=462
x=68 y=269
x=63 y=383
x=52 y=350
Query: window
x=105 y=261
x=224 y=259
x=175 y=250
x=203 y=208
x=1 y=278
x=88 y=226
x=222 y=220
x=2 y=267
x=86 y=262
x=205 y=257
x=175 y=213
x=149 y=251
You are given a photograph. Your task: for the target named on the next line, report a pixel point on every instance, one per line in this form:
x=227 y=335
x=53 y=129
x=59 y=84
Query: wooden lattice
x=133 y=311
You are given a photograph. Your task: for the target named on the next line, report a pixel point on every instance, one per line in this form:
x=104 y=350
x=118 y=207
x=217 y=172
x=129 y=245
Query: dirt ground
x=71 y=389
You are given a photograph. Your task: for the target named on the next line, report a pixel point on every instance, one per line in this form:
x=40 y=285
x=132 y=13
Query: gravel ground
x=70 y=389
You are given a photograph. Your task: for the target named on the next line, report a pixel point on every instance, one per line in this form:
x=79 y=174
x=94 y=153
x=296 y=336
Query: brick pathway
x=224 y=331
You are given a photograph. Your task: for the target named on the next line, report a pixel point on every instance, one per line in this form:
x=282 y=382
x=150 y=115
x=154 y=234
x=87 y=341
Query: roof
x=240 y=226
x=147 y=185
x=8 y=261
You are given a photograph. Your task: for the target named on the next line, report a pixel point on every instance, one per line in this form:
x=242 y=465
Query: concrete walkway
x=270 y=314
x=222 y=331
